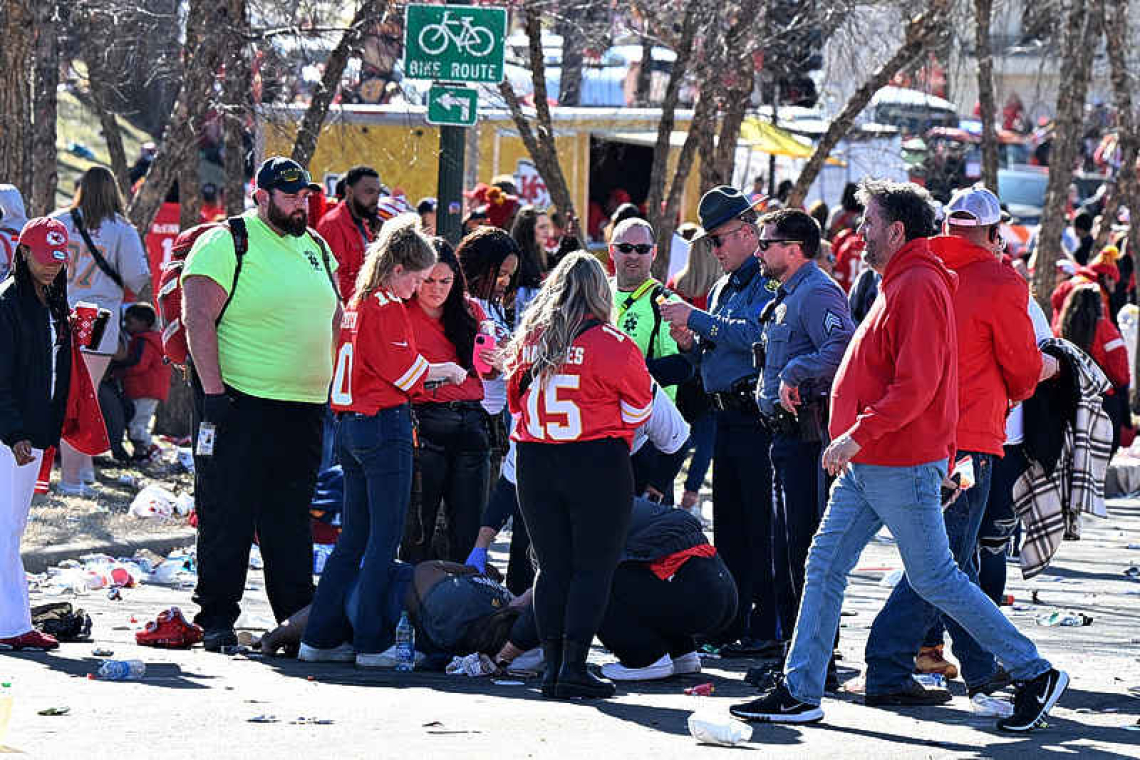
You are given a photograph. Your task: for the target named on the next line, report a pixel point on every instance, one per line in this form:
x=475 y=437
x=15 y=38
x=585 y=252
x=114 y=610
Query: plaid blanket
x=1050 y=506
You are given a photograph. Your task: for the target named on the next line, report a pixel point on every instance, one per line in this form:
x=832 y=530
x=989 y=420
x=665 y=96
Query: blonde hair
x=400 y=243
x=577 y=290
x=98 y=197
x=700 y=272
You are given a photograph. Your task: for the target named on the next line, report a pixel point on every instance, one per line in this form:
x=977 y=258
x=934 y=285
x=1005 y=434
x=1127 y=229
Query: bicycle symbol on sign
x=477 y=41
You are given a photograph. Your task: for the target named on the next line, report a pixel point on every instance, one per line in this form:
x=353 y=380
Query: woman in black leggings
x=578 y=388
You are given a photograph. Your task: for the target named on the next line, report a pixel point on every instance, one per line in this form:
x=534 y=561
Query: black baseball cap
x=720 y=205
x=285 y=174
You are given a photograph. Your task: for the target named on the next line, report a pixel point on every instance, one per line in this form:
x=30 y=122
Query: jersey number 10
x=547 y=398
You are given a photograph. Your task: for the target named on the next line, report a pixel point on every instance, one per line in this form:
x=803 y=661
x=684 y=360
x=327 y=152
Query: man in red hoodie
x=894 y=413
x=348 y=227
x=998 y=363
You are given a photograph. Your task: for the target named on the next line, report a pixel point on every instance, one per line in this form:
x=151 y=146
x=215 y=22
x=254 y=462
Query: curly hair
x=480 y=254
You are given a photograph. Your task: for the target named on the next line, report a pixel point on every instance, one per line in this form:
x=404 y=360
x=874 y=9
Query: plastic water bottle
x=405 y=644
x=122 y=670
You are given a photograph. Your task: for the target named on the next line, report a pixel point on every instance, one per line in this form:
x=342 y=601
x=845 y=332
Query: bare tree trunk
x=661 y=148
x=701 y=128
x=101 y=99
x=237 y=89
x=983 y=12
x=1126 y=188
x=644 y=72
x=1083 y=25
x=330 y=83
x=190 y=190
x=201 y=61
x=17 y=27
x=573 y=33
x=921 y=32
x=540 y=141
x=45 y=178
x=172 y=417
x=706 y=148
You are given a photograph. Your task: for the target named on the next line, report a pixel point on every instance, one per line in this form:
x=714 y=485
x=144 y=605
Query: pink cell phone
x=482 y=340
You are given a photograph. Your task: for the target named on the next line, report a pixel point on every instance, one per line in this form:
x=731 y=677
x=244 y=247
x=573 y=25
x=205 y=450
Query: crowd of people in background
x=839 y=370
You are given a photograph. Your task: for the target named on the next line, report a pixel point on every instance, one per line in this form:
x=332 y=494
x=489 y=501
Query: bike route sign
x=455 y=43
x=452 y=106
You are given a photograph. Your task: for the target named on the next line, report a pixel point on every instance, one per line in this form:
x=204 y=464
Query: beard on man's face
x=361 y=211
x=293 y=224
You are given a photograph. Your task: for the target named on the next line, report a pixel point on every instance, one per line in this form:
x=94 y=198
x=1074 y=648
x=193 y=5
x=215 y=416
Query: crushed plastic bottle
x=930 y=680
x=986 y=706
x=405 y=644
x=122 y=670
x=715 y=728
x=1065 y=619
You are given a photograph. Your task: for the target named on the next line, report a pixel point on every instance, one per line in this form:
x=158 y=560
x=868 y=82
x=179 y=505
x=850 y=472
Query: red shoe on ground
x=32 y=641
x=169 y=631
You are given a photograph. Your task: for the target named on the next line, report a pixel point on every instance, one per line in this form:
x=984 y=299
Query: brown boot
x=930 y=660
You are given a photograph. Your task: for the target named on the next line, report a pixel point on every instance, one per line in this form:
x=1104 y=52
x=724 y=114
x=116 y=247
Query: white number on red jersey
x=342 y=377
x=547 y=398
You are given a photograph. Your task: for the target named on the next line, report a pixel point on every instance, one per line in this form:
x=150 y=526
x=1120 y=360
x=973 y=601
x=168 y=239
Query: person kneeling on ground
x=455 y=609
x=669 y=587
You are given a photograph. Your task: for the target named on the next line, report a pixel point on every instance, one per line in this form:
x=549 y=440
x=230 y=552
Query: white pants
x=139 y=429
x=16 y=487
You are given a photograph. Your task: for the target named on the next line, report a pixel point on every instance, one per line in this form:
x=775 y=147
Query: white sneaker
x=615 y=671
x=74 y=489
x=528 y=660
x=385 y=659
x=342 y=653
x=686 y=664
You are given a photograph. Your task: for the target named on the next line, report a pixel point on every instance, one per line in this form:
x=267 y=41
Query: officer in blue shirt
x=805 y=332
x=720 y=342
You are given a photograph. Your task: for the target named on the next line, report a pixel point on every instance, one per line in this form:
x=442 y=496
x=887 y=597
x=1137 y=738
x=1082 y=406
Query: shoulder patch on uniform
x=831 y=321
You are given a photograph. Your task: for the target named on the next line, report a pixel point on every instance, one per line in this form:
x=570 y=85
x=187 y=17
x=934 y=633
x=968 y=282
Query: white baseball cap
x=973 y=207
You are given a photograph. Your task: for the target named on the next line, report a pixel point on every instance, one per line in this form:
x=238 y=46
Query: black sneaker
x=777 y=706
x=214 y=640
x=753 y=648
x=913 y=694
x=1034 y=700
x=998 y=681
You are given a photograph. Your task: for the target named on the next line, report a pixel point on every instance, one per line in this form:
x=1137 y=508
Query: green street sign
x=452 y=106
x=455 y=43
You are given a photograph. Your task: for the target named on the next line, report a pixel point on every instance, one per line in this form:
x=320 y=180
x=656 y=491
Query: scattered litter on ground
x=1064 y=618
x=54 y=711
x=302 y=721
x=170 y=630
x=719 y=729
x=700 y=690
x=102 y=652
x=1132 y=572
x=263 y=719
x=474 y=665
x=990 y=707
x=891 y=579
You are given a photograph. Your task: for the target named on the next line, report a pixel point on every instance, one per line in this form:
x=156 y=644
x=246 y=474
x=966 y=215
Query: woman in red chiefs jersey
x=378 y=370
x=577 y=388
x=453 y=453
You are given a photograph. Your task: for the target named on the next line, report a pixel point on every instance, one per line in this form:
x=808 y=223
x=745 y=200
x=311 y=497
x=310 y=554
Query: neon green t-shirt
x=275 y=338
x=637 y=321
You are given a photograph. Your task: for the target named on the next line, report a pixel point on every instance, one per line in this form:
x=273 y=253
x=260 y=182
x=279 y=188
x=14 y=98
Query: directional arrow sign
x=452 y=106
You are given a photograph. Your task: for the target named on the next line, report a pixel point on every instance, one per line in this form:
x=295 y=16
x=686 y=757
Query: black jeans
x=260 y=482
x=576 y=499
x=648 y=618
x=742 y=521
x=454 y=465
x=999 y=522
x=797 y=503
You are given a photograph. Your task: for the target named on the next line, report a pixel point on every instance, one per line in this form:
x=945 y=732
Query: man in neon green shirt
x=636 y=313
x=261 y=333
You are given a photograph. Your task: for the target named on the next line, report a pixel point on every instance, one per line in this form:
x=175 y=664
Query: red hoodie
x=896 y=392
x=998 y=359
x=150 y=378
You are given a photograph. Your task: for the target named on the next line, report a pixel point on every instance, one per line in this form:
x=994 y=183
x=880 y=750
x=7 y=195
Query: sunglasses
x=766 y=243
x=641 y=248
x=717 y=240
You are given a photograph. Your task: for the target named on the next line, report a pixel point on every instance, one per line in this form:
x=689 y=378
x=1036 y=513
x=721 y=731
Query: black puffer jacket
x=29 y=409
x=656 y=531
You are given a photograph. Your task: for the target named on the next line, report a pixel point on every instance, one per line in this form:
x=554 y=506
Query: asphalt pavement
x=219 y=706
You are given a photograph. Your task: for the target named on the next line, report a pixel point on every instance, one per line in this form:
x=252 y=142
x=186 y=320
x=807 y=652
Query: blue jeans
x=906 y=622
x=907 y=501
x=702 y=435
x=376 y=454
